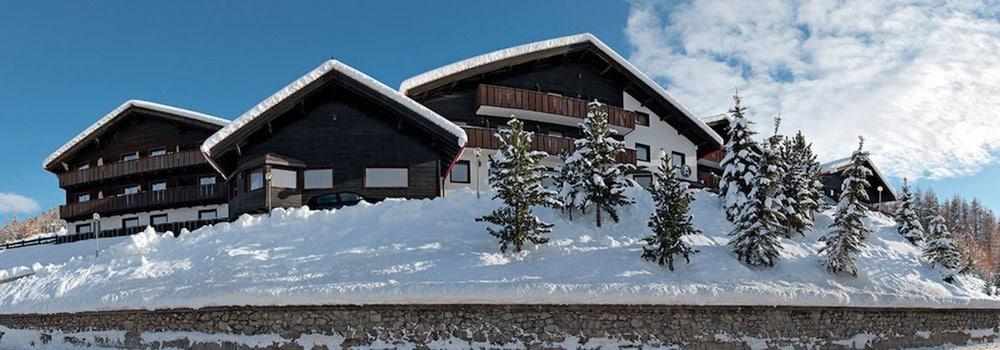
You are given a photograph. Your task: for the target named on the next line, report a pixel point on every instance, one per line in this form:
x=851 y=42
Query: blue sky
x=63 y=65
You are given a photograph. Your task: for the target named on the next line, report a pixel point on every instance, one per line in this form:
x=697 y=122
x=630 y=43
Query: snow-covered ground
x=432 y=251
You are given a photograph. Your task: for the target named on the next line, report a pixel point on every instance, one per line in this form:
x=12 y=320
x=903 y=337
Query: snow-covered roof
x=715 y=118
x=119 y=112
x=839 y=165
x=316 y=74
x=525 y=49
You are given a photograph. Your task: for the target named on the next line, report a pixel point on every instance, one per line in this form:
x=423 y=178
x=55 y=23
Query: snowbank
x=432 y=251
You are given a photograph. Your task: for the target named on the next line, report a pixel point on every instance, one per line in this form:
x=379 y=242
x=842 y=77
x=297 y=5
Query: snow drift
x=432 y=251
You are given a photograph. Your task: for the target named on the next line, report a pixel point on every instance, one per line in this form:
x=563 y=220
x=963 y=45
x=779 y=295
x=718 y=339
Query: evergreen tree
x=569 y=183
x=801 y=184
x=603 y=181
x=514 y=176
x=780 y=174
x=671 y=219
x=907 y=220
x=848 y=229
x=941 y=250
x=739 y=164
x=993 y=283
x=758 y=225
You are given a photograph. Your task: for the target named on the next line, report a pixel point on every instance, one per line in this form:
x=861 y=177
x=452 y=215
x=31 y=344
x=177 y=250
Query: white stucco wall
x=173 y=215
x=660 y=137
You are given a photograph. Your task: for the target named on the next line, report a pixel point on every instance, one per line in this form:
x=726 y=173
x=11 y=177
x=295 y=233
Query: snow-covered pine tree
x=739 y=164
x=595 y=160
x=758 y=226
x=848 y=230
x=780 y=168
x=993 y=284
x=801 y=184
x=941 y=250
x=569 y=184
x=515 y=178
x=671 y=219
x=907 y=219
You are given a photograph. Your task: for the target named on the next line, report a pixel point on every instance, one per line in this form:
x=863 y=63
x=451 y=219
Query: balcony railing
x=143 y=201
x=131 y=167
x=553 y=145
x=716 y=156
x=540 y=102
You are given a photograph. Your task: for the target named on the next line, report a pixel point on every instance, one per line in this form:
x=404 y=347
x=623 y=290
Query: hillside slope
x=432 y=251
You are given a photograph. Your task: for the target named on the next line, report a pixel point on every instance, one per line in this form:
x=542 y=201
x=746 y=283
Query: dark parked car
x=334 y=200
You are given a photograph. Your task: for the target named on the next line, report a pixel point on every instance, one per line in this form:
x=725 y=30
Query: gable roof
x=116 y=115
x=840 y=165
x=555 y=46
x=319 y=75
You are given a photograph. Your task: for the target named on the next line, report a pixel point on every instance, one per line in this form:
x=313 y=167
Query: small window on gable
x=130 y=156
x=642 y=152
x=387 y=177
x=641 y=119
x=83 y=166
x=158 y=186
x=317 y=178
x=127 y=190
x=206 y=180
x=83 y=198
x=460 y=172
x=158 y=152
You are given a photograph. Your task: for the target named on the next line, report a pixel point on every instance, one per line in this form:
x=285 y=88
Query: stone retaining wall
x=706 y=327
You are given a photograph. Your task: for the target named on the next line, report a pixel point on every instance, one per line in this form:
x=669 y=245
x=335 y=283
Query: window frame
x=305 y=185
x=635 y=178
x=649 y=150
x=151 y=152
x=152 y=219
x=126 y=220
x=468 y=172
x=135 y=154
x=249 y=180
x=639 y=116
x=215 y=180
x=215 y=214
x=364 y=179
x=138 y=189
x=152 y=186
x=89 y=197
x=90 y=228
x=83 y=166
x=683 y=160
x=295 y=177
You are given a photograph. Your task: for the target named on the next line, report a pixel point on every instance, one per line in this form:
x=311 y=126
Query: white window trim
x=406 y=178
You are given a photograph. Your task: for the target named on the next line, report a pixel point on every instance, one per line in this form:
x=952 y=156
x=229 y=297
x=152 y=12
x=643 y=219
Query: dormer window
x=130 y=156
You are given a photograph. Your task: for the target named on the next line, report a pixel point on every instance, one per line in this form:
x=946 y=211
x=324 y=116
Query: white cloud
x=15 y=203
x=919 y=79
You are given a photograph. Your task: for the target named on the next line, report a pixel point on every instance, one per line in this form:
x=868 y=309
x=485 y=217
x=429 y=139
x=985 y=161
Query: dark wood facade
x=96 y=171
x=335 y=123
x=485 y=138
x=833 y=179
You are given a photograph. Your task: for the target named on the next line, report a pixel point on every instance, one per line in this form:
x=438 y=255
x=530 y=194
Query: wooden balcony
x=132 y=167
x=715 y=157
x=553 y=145
x=539 y=106
x=145 y=201
x=709 y=180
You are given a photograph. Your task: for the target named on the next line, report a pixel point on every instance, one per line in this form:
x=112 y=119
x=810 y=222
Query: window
x=255 y=180
x=387 y=177
x=158 y=186
x=556 y=133
x=641 y=119
x=317 y=178
x=284 y=178
x=206 y=180
x=83 y=198
x=130 y=190
x=644 y=180
x=157 y=152
x=677 y=160
x=207 y=214
x=84 y=228
x=460 y=172
x=130 y=156
x=130 y=222
x=642 y=152
x=83 y=166
x=158 y=219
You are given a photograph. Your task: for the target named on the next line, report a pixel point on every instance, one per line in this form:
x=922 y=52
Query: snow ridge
x=118 y=111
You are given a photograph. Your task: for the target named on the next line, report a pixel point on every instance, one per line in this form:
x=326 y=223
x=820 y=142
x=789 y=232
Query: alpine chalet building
x=548 y=84
x=140 y=166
